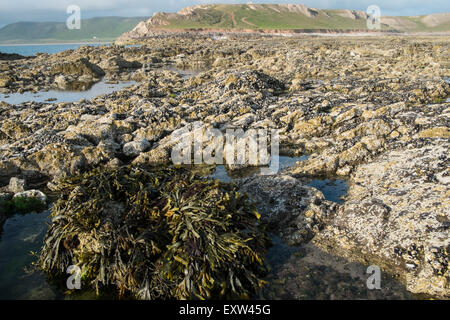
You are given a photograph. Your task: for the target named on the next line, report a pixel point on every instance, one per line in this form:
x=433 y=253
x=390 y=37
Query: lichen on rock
x=397 y=216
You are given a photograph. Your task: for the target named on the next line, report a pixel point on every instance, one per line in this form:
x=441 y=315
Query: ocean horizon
x=50 y=48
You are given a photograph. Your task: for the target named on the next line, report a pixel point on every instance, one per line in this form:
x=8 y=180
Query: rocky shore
x=371 y=110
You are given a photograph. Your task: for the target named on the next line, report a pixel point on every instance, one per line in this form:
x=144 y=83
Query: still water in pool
x=23 y=234
x=54 y=96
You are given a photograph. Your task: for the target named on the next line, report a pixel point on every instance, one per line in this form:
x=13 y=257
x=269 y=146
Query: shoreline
x=49 y=44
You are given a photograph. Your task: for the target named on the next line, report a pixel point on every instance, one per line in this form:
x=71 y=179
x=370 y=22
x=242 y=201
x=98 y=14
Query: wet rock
x=6 y=196
x=293 y=210
x=11 y=56
x=7 y=170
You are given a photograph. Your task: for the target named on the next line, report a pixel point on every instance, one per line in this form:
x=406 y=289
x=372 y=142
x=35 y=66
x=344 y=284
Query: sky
x=55 y=10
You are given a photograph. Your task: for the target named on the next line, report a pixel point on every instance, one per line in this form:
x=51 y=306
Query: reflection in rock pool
x=308 y=273
x=96 y=90
x=227 y=176
x=332 y=189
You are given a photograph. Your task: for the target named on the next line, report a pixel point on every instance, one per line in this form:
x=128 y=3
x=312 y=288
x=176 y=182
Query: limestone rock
x=17 y=185
x=397 y=216
x=118 y=64
x=135 y=148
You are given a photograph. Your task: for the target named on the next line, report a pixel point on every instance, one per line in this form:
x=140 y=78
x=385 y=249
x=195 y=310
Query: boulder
x=135 y=148
x=119 y=64
x=78 y=67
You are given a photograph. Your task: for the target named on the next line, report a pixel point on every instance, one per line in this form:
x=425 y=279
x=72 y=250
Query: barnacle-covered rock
x=397 y=215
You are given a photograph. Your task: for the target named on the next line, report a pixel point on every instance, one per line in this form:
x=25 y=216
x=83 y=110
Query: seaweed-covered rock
x=22 y=202
x=156 y=233
x=5 y=206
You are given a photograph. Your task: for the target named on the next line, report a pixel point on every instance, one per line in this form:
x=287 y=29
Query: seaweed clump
x=160 y=233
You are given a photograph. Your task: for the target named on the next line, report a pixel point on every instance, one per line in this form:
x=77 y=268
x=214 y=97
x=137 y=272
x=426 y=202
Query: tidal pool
x=23 y=234
x=307 y=272
x=55 y=96
x=332 y=189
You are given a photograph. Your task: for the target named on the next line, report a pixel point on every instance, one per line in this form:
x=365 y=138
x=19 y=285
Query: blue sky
x=55 y=10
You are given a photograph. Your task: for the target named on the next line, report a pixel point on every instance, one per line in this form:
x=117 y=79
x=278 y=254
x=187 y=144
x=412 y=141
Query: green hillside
x=282 y=17
x=104 y=28
x=262 y=17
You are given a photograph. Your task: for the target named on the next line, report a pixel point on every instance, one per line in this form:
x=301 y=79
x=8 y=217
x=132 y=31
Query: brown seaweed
x=158 y=233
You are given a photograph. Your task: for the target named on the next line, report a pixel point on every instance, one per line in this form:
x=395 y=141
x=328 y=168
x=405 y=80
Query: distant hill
x=94 y=29
x=280 y=18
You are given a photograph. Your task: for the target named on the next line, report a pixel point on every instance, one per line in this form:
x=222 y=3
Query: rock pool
x=55 y=96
